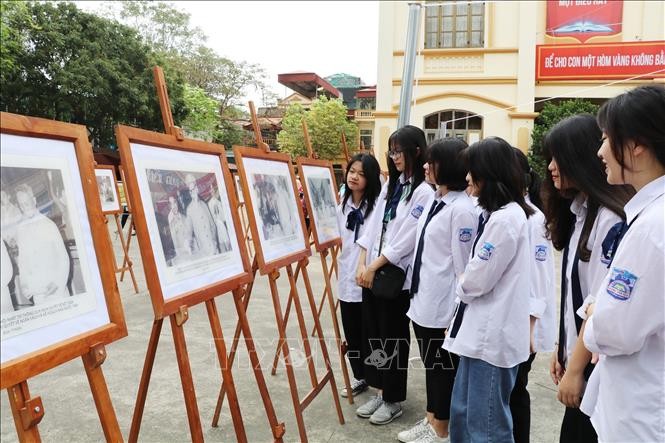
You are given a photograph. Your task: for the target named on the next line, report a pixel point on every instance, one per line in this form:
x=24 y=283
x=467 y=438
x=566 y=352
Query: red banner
x=601 y=61
x=582 y=19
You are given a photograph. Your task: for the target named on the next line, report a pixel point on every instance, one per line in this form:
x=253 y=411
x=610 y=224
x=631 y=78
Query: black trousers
x=352 y=323
x=386 y=338
x=577 y=427
x=440 y=369
x=520 y=402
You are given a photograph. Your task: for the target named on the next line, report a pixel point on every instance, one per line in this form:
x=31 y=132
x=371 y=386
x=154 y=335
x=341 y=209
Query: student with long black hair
x=580 y=208
x=391 y=239
x=542 y=306
x=361 y=190
x=490 y=330
x=626 y=398
x=445 y=234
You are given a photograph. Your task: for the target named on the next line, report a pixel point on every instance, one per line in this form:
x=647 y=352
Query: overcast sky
x=313 y=36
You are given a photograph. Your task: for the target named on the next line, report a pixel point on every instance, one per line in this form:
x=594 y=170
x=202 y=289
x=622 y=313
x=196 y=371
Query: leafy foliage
x=76 y=67
x=326 y=119
x=202 y=117
x=552 y=114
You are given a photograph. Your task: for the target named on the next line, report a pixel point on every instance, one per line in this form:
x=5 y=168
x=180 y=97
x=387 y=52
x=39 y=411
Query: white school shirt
x=591 y=273
x=542 y=302
x=495 y=286
x=348 y=289
x=626 y=393
x=446 y=249
x=399 y=240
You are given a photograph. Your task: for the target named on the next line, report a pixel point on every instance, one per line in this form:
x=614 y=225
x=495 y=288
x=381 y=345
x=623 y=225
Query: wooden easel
x=272 y=270
x=28 y=410
x=178 y=317
x=131 y=231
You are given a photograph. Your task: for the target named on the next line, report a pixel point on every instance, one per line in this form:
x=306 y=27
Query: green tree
x=81 y=68
x=202 y=118
x=552 y=114
x=325 y=121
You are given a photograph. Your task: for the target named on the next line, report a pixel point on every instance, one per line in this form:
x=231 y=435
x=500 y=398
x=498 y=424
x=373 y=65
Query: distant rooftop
x=308 y=84
x=342 y=80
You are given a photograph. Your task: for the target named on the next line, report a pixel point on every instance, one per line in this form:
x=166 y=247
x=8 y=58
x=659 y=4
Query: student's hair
x=409 y=139
x=446 y=154
x=636 y=116
x=494 y=170
x=371 y=171
x=532 y=180
x=574 y=143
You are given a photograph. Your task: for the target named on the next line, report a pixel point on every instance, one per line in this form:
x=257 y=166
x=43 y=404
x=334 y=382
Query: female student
x=390 y=238
x=490 y=330
x=361 y=190
x=580 y=208
x=542 y=306
x=445 y=234
x=627 y=322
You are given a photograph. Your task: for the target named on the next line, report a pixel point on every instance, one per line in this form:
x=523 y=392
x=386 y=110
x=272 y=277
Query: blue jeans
x=480 y=407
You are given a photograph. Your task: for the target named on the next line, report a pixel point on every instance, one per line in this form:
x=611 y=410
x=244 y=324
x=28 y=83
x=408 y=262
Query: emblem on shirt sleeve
x=417 y=211
x=465 y=234
x=541 y=252
x=621 y=285
x=486 y=251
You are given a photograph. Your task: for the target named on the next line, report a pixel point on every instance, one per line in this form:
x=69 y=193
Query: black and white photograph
x=275 y=207
x=188 y=216
x=107 y=191
x=321 y=192
x=49 y=272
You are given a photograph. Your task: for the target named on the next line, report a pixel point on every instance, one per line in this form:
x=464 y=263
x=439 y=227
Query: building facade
x=486 y=68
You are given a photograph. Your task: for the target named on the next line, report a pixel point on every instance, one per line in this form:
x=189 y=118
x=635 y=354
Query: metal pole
x=409 y=64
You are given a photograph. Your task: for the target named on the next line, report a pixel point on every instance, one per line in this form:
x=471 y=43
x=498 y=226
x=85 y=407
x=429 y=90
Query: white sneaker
x=357 y=387
x=429 y=436
x=414 y=432
x=386 y=413
x=366 y=410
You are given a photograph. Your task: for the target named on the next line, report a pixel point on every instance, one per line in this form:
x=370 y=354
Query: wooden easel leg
x=92 y=362
x=130 y=231
x=126 y=262
x=193 y=417
x=145 y=380
x=27 y=412
x=281 y=327
x=287 y=314
x=330 y=270
x=324 y=349
x=236 y=339
x=338 y=336
x=227 y=375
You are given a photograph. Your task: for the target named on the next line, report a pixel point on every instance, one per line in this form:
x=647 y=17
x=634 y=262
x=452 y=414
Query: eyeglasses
x=395 y=154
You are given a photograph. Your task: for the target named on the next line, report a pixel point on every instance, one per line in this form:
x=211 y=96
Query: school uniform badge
x=465 y=234
x=541 y=252
x=486 y=251
x=417 y=211
x=621 y=285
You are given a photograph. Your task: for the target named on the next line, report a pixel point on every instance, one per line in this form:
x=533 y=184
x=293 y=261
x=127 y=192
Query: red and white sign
x=644 y=60
x=583 y=19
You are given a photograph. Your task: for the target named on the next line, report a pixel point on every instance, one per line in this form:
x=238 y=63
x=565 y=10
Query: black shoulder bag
x=389 y=279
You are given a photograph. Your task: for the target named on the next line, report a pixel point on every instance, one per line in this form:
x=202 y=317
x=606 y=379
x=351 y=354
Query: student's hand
x=570 y=389
x=589 y=310
x=556 y=370
x=368 y=278
x=359 y=273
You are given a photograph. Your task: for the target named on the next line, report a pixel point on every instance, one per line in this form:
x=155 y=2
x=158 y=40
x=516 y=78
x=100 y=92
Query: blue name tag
x=465 y=234
x=541 y=252
x=417 y=211
x=621 y=285
x=486 y=251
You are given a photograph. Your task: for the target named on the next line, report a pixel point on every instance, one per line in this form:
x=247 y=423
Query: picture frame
x=107 y=187
x=276 y=220
x=184 y=209
x=64 y=298
x=321 y=197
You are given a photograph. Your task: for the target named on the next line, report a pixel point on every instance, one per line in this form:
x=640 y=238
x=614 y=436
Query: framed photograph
x=277 y=223
x=321 y=198
x=108 y=189
x=59 y=295
x=185 y=216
